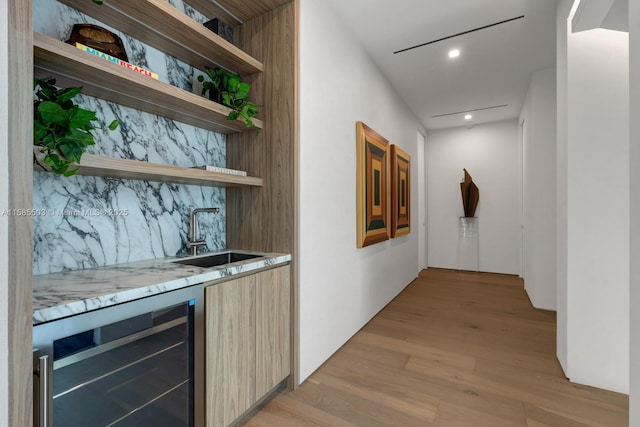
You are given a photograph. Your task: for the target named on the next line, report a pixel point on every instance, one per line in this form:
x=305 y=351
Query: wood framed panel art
x=400 y=192
x=372 y=183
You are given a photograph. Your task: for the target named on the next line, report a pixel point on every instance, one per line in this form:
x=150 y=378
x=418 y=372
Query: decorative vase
x=215 y=95
x=468 y=244
x=98 y=38
x=221 y=29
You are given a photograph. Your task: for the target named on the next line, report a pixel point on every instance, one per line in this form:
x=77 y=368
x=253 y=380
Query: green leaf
x=243 y=90
x=50 y=112
x=79 y=117
x=52 y=159
x=210 y=72
x=39 y=130
x=58 y=165
x=46 y=94
x=67 y=94
x=114 y=125
x=71 y=172
x=49 y=141
x=252 y=109
x=79 y=137
x=226 y=99
x=233 y=115
x=47 y=82
x=232 y=83
x=72 y=152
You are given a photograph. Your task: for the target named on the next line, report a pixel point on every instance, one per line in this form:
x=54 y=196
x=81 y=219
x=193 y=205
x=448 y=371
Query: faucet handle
x=195 y=244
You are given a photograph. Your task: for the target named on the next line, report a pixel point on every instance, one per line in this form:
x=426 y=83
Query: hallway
x=453 y=349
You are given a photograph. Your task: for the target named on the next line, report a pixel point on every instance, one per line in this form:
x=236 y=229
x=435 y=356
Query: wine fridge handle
x=41 y=405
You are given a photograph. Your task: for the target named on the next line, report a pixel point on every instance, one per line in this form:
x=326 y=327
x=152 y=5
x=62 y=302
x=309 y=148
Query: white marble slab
x=154 y=223
x=64 y=294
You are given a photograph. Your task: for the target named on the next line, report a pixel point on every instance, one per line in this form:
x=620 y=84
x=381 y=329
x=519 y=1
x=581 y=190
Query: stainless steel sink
x=217 y=259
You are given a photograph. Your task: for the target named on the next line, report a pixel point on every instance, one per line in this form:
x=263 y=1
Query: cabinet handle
x=41 y=415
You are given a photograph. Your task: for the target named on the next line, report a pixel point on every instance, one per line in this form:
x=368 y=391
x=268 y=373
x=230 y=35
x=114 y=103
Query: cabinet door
x=272 y=329
x=230 y=350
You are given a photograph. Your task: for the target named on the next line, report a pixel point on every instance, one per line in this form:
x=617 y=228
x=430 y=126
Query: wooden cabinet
x=247 y=342
x=272 y=329
x=230 y=349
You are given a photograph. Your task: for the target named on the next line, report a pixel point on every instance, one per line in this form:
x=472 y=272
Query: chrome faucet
x=192 y=230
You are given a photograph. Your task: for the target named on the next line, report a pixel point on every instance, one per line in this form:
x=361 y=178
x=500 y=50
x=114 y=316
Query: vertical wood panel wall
x=16 y=232
x=265 y=219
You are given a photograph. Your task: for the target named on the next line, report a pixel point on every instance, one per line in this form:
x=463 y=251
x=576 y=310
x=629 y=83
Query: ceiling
x=494 y=66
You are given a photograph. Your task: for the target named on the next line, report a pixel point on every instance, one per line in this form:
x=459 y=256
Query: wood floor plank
x=438 y=355
x=421 y=388
x=421 y=409
x=453 y=415
x=453 y=349
x=285 y=411
x=538 y=416
x=539 y=394
x=385 y=359
x=612 y=402
x=353 y=408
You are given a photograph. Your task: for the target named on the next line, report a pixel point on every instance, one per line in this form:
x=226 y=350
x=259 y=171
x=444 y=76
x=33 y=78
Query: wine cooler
x=132 y=364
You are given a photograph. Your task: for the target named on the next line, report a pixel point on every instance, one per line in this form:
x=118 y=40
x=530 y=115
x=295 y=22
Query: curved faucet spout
x=192 y=229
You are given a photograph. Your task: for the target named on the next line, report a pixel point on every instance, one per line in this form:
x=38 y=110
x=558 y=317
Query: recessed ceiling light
x=454 y=53
x=468 y=117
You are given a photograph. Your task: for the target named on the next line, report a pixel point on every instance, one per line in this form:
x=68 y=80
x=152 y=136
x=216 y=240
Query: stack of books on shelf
x=117 y=61
x=222 y=170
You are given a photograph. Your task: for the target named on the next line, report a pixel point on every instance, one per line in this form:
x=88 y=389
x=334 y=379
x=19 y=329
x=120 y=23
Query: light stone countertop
x=64 y=294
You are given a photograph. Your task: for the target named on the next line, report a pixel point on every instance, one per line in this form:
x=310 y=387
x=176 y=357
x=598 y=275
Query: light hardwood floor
x=453 y=349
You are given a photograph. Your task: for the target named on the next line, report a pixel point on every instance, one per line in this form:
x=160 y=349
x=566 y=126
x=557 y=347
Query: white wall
x=597 y=170
x=539 y=190
x=342 y=287
x=634 y=70
x=564 y=6
x=489 y=152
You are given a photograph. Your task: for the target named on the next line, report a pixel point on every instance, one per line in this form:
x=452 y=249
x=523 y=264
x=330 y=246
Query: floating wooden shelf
x=111 y=167
x=159 y=24
x=244 y=10
x=102 y=79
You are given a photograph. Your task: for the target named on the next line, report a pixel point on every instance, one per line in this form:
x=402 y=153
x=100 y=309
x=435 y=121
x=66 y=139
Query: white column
x=596 y=167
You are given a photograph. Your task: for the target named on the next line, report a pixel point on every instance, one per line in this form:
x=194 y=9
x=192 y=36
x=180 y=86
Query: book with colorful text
x=117 y=61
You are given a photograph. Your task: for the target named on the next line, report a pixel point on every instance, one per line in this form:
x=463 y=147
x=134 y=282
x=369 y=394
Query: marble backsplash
x=89 y=221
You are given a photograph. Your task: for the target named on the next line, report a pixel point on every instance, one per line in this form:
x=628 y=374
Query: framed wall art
x=372 y=182
x=400 y=192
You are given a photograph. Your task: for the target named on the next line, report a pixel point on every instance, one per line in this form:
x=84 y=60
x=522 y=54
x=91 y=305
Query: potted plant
x=61 y=129
x=233 y=92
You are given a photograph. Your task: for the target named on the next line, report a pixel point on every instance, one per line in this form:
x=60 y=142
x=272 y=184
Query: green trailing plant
x=233 y=91
x=61 y=129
